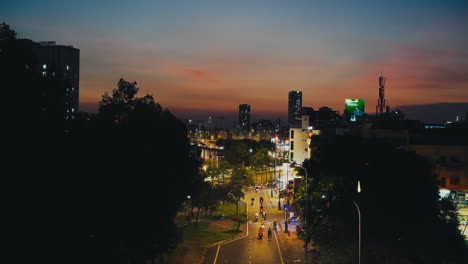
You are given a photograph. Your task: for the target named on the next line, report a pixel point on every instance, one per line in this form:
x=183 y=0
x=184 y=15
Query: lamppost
x=359 y=213
x=305 y=210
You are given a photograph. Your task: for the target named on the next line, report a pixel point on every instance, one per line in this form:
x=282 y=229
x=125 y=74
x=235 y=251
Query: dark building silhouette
x=244 y=116
x=381 y=108
x=294 y=107
x=264 y=129
x=308 y=111
x=56 y=73
x=326 y=114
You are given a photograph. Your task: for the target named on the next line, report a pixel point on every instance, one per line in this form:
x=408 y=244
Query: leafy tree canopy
x=404 y=221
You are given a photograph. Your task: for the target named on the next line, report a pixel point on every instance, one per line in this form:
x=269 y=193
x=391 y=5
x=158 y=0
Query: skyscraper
x=244 y=116
x=294 y=107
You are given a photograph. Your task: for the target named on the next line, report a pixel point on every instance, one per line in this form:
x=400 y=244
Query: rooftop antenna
x=381 y=101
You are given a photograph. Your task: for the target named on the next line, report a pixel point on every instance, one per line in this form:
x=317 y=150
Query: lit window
x=44 y=66
x=68 y=68
x=44 y=73
x=53 y=74
x=73 y=110
x=73 y=89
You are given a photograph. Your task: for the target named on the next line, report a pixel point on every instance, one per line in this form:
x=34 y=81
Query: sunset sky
x=204 y=58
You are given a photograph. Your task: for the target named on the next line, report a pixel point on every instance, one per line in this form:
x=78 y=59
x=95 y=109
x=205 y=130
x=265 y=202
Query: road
x=248 y=249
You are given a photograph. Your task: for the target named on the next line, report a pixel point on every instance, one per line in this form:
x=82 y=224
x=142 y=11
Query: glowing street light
x=359 y=213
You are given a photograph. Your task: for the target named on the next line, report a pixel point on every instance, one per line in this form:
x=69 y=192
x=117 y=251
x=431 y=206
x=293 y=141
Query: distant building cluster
x=307 y=129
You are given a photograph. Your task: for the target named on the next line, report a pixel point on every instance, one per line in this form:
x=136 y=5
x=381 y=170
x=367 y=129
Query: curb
x=226 y=240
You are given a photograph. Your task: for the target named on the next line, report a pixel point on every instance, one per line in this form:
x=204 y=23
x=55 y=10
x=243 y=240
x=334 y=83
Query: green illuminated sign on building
x=353 y=109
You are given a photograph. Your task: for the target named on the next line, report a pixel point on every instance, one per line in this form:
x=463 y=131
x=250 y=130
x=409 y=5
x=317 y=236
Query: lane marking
x=246 y=226
x=216 y=256
x=279 y=250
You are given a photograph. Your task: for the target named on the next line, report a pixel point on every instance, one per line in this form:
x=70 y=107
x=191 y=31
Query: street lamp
x=359 y=213
x=305 y=210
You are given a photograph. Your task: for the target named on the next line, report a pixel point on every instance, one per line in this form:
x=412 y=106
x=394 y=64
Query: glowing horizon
x=211 y=56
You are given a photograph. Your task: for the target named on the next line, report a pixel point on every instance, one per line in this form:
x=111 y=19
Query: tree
x=241 y=218
x=6 y=34
x=123 y=102
x=235 y=194
x=203 y=196
x=265 y=144
x=224 y=168
x=212 y=171
x=399 y=204
x=241 y=176
x=137 y=173
x=236 y=152
x=261 y=161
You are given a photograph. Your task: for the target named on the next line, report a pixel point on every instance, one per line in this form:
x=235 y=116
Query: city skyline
x=206 y=58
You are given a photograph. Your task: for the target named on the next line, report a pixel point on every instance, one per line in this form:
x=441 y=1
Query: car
x=293 y=220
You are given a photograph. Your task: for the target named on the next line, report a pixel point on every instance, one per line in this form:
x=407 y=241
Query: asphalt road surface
x=248 y=248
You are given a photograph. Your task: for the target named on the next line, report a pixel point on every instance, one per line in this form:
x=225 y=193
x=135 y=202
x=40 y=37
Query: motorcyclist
x=274 y=224
x=252 y=201
x=269 y=233
x=256 y=216
x=260 y=233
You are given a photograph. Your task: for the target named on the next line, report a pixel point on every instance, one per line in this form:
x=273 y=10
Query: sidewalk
x=292 y=248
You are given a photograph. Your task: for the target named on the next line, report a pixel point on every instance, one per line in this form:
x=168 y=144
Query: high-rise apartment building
x=244 y=116
x=294 y=107
x=56 y=73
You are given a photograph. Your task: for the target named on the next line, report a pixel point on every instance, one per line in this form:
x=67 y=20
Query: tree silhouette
x=133 y=176
x=403 y=219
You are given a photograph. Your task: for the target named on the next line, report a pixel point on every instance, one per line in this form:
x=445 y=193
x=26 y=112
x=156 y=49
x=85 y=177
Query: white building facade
x=299 y=141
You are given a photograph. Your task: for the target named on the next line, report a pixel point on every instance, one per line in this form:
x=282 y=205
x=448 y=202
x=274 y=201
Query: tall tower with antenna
x=380 y=109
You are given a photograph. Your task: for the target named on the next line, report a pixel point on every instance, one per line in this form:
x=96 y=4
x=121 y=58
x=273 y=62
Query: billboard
x=353 y=109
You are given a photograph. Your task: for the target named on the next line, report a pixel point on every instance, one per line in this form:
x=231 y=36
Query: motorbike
x=260 y=235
